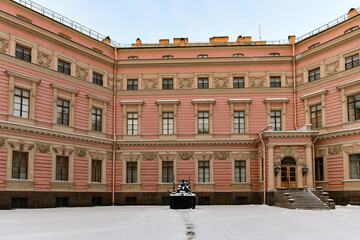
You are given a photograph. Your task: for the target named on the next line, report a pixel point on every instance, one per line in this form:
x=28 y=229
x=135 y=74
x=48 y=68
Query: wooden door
x=288 y=173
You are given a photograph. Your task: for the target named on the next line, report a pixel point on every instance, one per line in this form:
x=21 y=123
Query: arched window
x=274 y=54
x=351 y=29
x=202 y=56
x=168 y=57
x=314 y=45
x=133 y=57
x=238 y=55
x=288 y=161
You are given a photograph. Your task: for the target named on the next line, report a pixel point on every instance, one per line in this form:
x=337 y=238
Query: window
x=203 y=122
x=19 y=165
x=314 y=45
x=64 y=67
x=96 y=171
x=132 y=84
x=314 y=74
x=238 y=82
x=133 y=57
x=354 y=107
x=204 y=171
x=274 y=54
x=319 y=169
x=316 y=117
x=62 y=112
x=203 y=83
x=97 y=79
x=23 y=53
x=352 y=61
x=240 y=171
x=168 y=57
x=351 y=29
x=168 y=123
x=275 y=120
x=96 y=120
x=132 y=123
x=239 y=122
x=202 y=56
x=275 y=82
x=131 y=172
x=62 y=168
x=167 y=172
x=355 y=166
x=21 y=103
x=238 y=55
x=168 y=84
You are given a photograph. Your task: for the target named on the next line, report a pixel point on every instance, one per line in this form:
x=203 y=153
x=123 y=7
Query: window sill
x=240 y=187
x=352 y=124
x=96 y=187
x=204 y=136
x=167 y=137
x=165 y=187
x=204 y=187
x=63 y=128
x=131 y=187
x=22 y=120
x=19 y=185
x=131 y=137
x=62 y=186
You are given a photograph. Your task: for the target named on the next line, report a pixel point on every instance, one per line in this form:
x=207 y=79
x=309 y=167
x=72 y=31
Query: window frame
x=18 y=167
x=97 y=79
x=202 y=56
x=167 y=83
x=275 y=82
x=319 y=169
x=131 y=165
x=354 y=103
x=276 y=119
x=238 y=55
x=97 y=125
x=22 y=54
x=357 y=163
x=62 y=107
x=318 y=119
x=132 y=132
x=22 y=98
x=206 y=176
x=238 y=124
x=132 y=84
x=203 y=82
x=353 y=63
x=314 y=74
x=167 y=128
x=167 y=178
x=96 y=170
x=238 y=82
x=61 y=177
x=168 y=57
x=61 y=67
x=238 y=166
x=201 y=126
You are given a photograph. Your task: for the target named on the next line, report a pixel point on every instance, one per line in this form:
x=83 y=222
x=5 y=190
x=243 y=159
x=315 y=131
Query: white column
x=309 y=175
x=271 y=179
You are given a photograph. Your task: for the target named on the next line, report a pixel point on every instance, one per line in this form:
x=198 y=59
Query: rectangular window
x=240 y=171
x=167 y=172
x=314 y=74
x=203 y=83
x=19 y=165
x=204 y=171
x=354 y=107
x=352 y=61
x=275 y=82
x=96 y=119
x=168 y=123
x=203 y=122
x=21 y=103
x=131 y=172
x=355 y=166
x=62 y=114
x=238 y=82
x=97 y=79
x=275 y=120
x=132 y=123
x=168 y=84
x=319 y=169
x=316 y=116
x=64 y=67
x=239 y=122
x=62 y=168
x=23 y=53
x=132 y=84
x=96 y=171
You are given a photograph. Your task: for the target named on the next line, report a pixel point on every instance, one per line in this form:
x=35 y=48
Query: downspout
x=264 y=162
x=294 y=86
x=114 y=127
x=313 y=158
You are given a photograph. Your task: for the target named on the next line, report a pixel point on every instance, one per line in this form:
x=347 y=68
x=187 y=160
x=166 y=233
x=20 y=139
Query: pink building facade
x=86 y=122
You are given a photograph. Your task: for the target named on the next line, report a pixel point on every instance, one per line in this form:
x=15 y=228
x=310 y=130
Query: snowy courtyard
x=159 y=222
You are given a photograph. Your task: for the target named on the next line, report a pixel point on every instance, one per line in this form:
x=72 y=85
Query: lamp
x=277 y=169
x=305 y=170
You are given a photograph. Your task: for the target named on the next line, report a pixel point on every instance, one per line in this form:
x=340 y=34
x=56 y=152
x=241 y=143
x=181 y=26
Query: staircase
x=307 y=200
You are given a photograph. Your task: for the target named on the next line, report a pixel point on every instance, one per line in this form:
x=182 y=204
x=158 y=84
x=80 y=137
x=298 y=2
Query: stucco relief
x=98 y=155
x=221 y=82
x=335 y=150
x=185 y=83
x=130 y=157
x=185 y=155
x=2 y=142
x=63 y=151
x=44 y=60
x=290 y=80
x=149 y=155
x=80 y=152
x=289 y=152
x=221 y=155
x=4 y=45
x=150 y=83
x=167 y=156
x=332 y=68
x=42 y=148
x=110 y=83
x=118 y=156
x=254 y=155
x=82 y=73
x=257 y=82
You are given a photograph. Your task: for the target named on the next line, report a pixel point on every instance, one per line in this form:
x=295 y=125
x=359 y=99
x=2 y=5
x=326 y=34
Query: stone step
x=308 y=201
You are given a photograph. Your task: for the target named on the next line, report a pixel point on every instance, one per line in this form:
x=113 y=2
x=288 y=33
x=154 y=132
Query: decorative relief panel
x=167 y=156
x=289 y=152
x=185 y=83
x=110 y=83
x=44 y=60
x=254 y=155
x=221 y=82
x=43 y=148
x=149 y=155
x=130 y=157
x=335 y=150
x=81 y=73
x=257 y=82
x=332 y=68
x=80 y=152
x=185 y=155
x=150 y=83
x=2 y=142
x=290 y=80
x=98 y=155
x=4 y=45
x=221 y=155
x=63 y=151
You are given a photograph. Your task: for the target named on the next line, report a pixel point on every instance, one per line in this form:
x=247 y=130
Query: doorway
x=288 y=173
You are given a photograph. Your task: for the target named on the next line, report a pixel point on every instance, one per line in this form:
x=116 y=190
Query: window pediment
x=22 y=76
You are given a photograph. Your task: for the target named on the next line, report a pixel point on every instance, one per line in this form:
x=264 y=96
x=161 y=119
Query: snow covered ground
x=159 y=222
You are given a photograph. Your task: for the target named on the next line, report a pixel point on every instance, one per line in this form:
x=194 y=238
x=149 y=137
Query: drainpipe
x=264 y=162
x=294 y=86
x=114 y=127
x=313 y=158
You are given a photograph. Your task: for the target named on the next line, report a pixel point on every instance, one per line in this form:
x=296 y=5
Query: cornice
x=203 y=101
x=348 y=84
x=22 y=76
x=239 y=101
x=132 y=102
x=314 y=94
x=67 y=89
x=185 y=143
x=290 y=134
x=339 y=134
x=276 y=100
x=160 y=102
x=89 y=95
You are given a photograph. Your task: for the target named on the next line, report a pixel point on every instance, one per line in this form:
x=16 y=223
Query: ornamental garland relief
x=185 y=83
x=185 y=155
x=332 y=68
x=44 y=60
x=80 y=152
x=150 y=83
x=2 y=142
x=4 y=45
x=221 y=155
x=254 y=155
x=221 y=82
x=42 y=148
x=290 y=80
x=257 y=82
x=335 y=150
x=149 y=155
x=81 y=73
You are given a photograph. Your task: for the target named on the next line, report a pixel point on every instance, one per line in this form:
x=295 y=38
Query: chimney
x=223 y=39
x=107 y=40
x=247 y=39
x=164 y=42
x=291 y=38
x=239 y=40
x=352 y=12
x=138 y=41
x=181 y=41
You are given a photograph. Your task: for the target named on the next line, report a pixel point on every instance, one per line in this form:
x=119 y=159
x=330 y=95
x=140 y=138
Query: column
x=309 y=175
x=271 y=179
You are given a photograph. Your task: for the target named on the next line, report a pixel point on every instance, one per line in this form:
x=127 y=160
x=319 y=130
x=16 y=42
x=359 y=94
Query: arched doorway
x=288 y=172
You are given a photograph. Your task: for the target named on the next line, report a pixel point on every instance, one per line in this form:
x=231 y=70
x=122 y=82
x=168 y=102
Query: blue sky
x=151 y=20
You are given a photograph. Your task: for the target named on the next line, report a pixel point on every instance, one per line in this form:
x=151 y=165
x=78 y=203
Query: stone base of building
x=345 y=197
